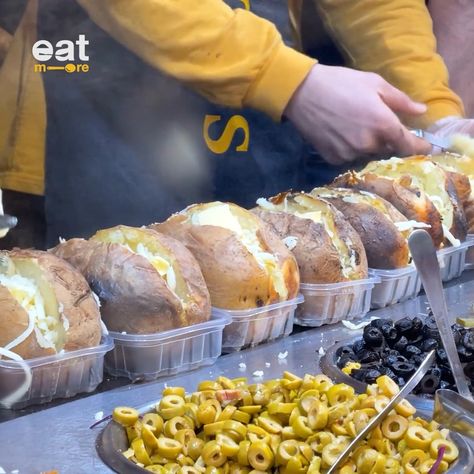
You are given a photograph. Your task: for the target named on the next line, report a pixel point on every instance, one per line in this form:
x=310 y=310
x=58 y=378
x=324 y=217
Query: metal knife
x=376 y=420
x=441 y=142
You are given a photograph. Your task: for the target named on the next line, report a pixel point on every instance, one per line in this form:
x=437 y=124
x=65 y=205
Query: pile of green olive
x=291 y=425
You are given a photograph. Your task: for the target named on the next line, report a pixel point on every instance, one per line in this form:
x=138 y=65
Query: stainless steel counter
x=60 y=438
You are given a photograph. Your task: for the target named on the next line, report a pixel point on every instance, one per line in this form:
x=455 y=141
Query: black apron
x=128 y=145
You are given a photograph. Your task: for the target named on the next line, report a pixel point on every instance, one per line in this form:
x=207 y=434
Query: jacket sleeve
x=394 y=39
x=231 y=57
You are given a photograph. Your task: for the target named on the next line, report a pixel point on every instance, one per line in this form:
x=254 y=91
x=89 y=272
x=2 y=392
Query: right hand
x=347 y=114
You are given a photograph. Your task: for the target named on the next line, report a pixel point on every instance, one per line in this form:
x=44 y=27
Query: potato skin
x=233 y=276
x=412 y=203
x=135 y=298
x=317 y=257
x=462 y=185
x=384 y=244
x=71 y=291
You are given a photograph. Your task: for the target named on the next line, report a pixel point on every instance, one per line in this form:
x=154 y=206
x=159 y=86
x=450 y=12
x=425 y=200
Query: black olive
x=372 y=375
x=416 y=341
x=457 y=337
x=404 y=326
x=430 y=329
x=400 y=381
x=446 y=373
x=373 y=336
x=401 y=344
x=416 y=360
x=469 y=370
x=430 y=382
x=417 y=327
x=403 y=369
x=445 y=384
x=344 y=350
x=390 y=373
x=381 y=368
x=441 y=355
x=358 y=346
x=378 y=323
x=367 y=356
x=344 y=360
x=436 y=371
x=358 y=374
x=411 y=350
x=429 y=344
x=390 y=360
x=390 y=334
x=465 y=355
x=392 y=352
x=468 y=340
x=458 y=327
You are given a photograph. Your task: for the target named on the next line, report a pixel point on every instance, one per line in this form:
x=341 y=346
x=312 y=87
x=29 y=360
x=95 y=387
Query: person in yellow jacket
x=229 y=56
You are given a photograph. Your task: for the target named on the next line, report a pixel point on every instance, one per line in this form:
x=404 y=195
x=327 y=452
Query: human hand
x=346 y=114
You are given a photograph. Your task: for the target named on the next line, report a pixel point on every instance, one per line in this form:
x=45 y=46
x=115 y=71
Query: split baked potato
x=419 y=189
x=461 y=170
x=326 y=247
x=244 y=263
x=147 y=282
x=46 y=305
x=381 y=227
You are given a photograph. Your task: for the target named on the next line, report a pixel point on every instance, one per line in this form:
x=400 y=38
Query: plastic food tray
x=253 y=326
x=469 y=265
x=149 y=356
x=452 y=260
x=395 y=286
x=334 y=302
x=112 y=442
x=57 y=376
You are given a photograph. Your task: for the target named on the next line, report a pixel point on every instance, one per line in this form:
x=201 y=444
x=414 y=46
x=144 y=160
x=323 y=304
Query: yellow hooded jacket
x=231 y=57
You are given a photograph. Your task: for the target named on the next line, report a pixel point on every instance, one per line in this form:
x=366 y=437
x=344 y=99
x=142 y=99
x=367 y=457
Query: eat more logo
x=63 y=51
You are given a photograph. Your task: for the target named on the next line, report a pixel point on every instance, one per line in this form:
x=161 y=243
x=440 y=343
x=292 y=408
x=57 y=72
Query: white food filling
x=290 y=242
x=46 y=327
x=220 y=215
x=163 y=267
x=346 y=254
x=409 y=225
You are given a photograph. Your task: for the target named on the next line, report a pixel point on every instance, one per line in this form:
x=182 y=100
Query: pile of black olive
x=397 y=349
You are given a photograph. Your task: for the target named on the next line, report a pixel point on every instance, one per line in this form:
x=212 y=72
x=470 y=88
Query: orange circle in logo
x=70 y=68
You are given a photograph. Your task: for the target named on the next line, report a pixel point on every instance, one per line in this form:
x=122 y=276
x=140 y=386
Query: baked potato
x=381 y=227
x=326 y=247
x=419 y=189
x=147 y=282
x=244 y=263
x=461 y=170
x=47 y=305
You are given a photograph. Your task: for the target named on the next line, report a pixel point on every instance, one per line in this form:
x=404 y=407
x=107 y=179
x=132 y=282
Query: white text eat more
x=64 y=50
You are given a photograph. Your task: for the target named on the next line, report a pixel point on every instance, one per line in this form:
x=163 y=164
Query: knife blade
x=441 y=142
x=376 y=420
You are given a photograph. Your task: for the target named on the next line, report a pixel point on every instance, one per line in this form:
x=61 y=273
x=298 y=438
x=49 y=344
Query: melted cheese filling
x=162 y=266
x=48 y=328
x=221 y=215
x=305 y=207
x=463 y=144
x=424 y=175
x=159 y=263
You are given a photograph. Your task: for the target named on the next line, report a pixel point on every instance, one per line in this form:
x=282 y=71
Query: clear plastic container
x=57 y=376
x=149 y=356
x=452 y=260
x=469 y=265
x=334 y=302
x=395 y=286
x=250 y=327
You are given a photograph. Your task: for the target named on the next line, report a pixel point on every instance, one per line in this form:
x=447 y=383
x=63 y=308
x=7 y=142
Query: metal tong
x=376 y=420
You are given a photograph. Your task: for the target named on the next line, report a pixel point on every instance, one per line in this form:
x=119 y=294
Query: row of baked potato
x=167 y=275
